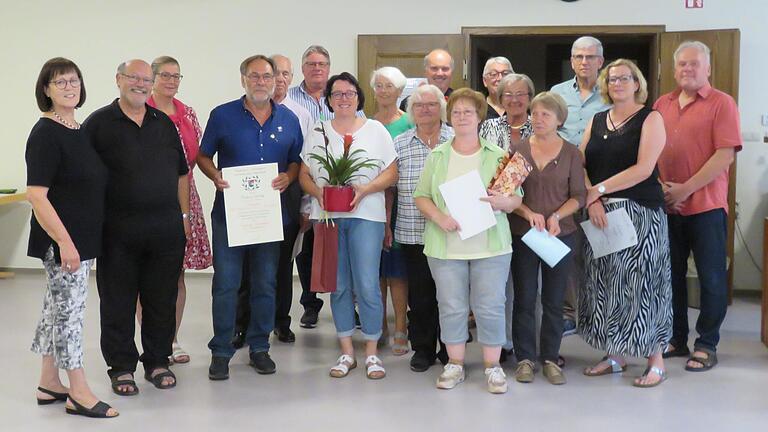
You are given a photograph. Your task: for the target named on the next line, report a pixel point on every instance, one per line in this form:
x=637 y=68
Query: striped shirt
x=318 y=109
x=497 y=131
x=411 y=155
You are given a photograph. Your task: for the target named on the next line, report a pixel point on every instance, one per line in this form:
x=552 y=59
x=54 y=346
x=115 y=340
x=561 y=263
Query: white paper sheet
x=462 y=197
x=252 y=206
x=618 y=234
x=298 y=245
x=548 y=247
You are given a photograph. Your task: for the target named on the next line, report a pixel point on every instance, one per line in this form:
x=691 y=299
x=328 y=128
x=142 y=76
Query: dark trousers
x=577 y=276
x=304 y=266
x=141 y=259
x=423 y=315
x=525 y=269
x=705 y=235
x=284 y=292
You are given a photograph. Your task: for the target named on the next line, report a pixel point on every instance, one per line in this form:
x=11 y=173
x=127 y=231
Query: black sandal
x=706 y=363
x=57 y=397
x=116 y=383
x=97 y=411
x=157 y=380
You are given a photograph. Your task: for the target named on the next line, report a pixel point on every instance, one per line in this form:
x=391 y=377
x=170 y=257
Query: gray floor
x=301 y=396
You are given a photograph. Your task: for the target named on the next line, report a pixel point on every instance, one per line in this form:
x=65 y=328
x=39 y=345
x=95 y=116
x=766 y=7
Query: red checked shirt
x=694 y=133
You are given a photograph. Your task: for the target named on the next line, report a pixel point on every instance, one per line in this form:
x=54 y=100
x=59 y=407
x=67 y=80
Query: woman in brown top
x=554 y=190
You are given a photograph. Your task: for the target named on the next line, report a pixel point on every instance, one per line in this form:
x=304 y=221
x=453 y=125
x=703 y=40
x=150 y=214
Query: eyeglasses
x=351 y=94
x=254 y=77
x=517 y=95
x=623 y=79
x=166 y=76
x=581 y=58
x=387 y=86
x=321 y=65
x=465 y=113
x=61 y=84
x=425 y=105
x=497 y=74
x=133 y=79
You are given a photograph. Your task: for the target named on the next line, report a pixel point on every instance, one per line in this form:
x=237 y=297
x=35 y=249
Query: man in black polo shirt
x=144 y=229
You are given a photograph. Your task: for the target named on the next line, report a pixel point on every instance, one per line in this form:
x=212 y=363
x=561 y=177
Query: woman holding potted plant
x=349 y=151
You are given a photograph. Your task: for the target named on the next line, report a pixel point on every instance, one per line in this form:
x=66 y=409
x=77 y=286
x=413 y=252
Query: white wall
x=211 y=38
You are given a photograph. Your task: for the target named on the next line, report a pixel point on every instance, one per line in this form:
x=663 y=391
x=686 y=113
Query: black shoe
x=309 y=319
x=262 y=363
x=421 y=361
x=358 y=325
x=238 y=340
x=219 y=369
x=284 y=334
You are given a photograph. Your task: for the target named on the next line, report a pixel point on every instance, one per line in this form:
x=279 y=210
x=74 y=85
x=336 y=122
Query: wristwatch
x=601 y=189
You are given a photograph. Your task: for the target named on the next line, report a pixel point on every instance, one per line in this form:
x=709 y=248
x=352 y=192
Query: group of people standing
x=121 y=189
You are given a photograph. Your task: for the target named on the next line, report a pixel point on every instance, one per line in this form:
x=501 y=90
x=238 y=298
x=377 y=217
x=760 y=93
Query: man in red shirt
x=703 y=136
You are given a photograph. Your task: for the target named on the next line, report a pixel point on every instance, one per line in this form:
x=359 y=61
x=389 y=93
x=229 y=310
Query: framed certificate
x=253 y=210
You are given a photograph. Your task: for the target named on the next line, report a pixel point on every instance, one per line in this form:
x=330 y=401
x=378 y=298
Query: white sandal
x=179 y=356
x=344 y=364
x=374 y=369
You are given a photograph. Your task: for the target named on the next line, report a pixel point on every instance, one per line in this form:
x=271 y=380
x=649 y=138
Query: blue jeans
x=360 y=243
x=705 y=235
x=479 y=283
x=228 y=262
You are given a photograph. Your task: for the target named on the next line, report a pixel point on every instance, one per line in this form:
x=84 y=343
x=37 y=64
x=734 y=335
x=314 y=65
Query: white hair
x=500 y=60
x=585 y=42
x=417 y=96
x=391 y=73
x=693 y=44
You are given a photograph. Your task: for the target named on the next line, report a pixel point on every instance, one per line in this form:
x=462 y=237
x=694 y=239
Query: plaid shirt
x=411 y=155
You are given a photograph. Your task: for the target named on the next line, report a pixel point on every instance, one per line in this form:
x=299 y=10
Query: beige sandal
x=344 y=364
x=374 y=369
x=399 y=349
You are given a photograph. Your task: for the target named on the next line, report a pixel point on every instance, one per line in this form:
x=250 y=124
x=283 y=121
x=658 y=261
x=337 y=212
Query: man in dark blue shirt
x=247 y=131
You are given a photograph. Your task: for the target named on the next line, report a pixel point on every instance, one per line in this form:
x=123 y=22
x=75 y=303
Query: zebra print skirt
x=625 y=307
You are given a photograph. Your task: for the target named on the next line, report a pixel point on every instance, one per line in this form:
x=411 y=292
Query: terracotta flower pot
x=338 y=198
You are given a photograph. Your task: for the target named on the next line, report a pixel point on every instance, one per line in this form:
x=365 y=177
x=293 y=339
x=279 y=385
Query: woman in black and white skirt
x=626 y=306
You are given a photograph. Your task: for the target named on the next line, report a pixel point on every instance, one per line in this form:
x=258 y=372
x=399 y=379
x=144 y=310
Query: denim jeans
x=705 y=235
x=479 y=284
x=360 y=243
x=228 y=262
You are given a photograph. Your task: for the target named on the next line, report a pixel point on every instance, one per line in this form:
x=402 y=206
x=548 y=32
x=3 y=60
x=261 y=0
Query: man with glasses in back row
x=250 y=130
x=582 y=95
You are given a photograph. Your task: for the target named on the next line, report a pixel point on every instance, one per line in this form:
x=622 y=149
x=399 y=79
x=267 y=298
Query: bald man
x=438 y=68
x=145 y=229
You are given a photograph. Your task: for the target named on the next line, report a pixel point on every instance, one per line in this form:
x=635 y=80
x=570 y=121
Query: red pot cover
x=338 y=198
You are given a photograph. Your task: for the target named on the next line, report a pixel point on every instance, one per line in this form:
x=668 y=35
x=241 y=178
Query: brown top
x=547 y=190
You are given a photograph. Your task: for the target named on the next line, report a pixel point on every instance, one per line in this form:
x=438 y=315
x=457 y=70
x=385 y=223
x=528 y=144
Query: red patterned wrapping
x=511 y=174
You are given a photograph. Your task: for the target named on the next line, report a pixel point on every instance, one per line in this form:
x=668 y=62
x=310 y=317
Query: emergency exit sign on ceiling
x=694 y=4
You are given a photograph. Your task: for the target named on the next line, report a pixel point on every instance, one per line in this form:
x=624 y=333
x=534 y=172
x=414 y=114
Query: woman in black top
x=65 y=185
x=625 y=308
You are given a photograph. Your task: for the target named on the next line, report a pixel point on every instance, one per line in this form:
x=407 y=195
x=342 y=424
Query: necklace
x=66 y=123
x=429 y=137
x=617 y=126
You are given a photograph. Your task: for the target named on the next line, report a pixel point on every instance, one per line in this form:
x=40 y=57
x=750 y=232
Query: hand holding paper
x=618 y=234
x=459 y=194
x=548 y=247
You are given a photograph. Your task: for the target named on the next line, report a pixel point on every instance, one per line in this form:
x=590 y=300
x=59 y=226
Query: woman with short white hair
x=496 y=68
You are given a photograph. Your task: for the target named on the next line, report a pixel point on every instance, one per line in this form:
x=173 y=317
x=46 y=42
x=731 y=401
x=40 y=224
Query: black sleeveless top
x=610 y=152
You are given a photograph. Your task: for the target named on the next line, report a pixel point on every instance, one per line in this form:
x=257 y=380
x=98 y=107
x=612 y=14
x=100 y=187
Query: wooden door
x=725 y=77
x=405 y=52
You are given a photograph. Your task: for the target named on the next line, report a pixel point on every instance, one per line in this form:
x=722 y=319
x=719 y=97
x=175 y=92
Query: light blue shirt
x=579 y=111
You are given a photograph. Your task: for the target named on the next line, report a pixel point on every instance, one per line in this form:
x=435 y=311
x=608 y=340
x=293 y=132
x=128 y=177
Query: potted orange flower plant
x=338 y=193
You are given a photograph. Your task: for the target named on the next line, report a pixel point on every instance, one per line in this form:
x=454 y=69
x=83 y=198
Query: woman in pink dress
x=197 y=255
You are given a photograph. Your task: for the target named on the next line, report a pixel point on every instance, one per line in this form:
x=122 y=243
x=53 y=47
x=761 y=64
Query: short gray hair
x=315 y=49
x=417 y=96
x=500 y=60
x=426 y=57
x=585 y=42
x=393 y=74
x=513 y=78
x=704 y=49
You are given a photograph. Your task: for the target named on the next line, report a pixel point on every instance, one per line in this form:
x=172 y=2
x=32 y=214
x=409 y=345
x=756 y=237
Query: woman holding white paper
x=481 y=261
x=553 y=191
x=626 y=306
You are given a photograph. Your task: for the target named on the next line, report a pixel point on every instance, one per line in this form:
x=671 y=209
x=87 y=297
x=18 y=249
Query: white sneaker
x=497 y=380
x=452 y=375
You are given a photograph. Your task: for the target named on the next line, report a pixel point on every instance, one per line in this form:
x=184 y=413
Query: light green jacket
x=433 y=175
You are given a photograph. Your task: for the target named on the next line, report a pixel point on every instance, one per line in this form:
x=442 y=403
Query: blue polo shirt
x=580 y=112
x=237 y=137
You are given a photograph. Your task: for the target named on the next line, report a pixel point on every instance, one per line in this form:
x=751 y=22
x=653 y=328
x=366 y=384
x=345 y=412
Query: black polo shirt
x=144 y=162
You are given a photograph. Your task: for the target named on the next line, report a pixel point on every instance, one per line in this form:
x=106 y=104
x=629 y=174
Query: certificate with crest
x=252 y=206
